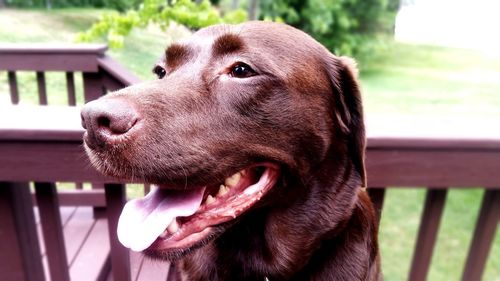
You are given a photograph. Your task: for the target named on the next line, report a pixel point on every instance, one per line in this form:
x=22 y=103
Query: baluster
x=481 y=244
x=93 y=89
x=120 y=258
x=429 y=225
x=14 y=92
x=42 y=89
x=70 y=86
x=19 y=247
x=50 y=217
x=92 y=86
x=173 y=273
x=377 y=195
x=147 y=188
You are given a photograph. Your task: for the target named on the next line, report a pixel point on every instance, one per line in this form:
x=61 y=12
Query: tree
x=115 y=26
x=253 y=9
x=346 y=27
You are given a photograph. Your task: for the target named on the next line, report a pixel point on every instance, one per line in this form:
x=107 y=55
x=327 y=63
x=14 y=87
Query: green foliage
x=346 y=27
x=114 y=26
x=120 y=5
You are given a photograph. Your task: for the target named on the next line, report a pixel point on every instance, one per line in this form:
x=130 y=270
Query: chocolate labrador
x=253 y=136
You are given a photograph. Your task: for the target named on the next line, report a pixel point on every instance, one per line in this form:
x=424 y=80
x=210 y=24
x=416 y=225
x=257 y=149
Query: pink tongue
x=143 y=220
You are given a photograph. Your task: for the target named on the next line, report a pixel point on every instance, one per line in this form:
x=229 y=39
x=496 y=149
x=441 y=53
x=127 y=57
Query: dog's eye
x=242 y=70
x=159 y=71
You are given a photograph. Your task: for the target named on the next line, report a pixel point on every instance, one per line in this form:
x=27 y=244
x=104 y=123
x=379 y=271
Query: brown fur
x=176 y=55
x=302 y=111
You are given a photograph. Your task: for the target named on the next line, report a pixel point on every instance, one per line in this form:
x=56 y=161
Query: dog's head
x=237 y=113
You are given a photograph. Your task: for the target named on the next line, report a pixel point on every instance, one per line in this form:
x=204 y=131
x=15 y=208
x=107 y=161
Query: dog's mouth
x=177 y=220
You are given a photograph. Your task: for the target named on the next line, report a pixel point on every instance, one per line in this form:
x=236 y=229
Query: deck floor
x=88 y=251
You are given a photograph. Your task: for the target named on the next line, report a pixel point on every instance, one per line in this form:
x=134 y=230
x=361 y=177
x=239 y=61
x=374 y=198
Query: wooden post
x=48 y=206
x=20 y=256
x=377 y=196
x=92 y=86
x=14 y=92
x=120 y=259
x=486 y=225
x=70 y=86
x=427 y=233
x=42 y=88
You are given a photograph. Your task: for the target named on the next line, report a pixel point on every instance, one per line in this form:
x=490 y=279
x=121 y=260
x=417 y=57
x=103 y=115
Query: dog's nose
x=108 y=119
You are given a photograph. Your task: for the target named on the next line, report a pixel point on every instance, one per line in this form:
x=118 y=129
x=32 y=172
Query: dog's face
x=237 y=113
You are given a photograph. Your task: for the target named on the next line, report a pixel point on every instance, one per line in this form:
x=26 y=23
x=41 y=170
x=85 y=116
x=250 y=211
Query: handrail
x=434 y=132
x=50 y=48
x=117 y=71
x=405 y=161
x=50 y=57
x=99 y=70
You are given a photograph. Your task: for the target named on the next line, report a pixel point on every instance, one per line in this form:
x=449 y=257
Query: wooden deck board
x=136 y=260
x=39 y=231
x=76 y=231
x=87 y=249
x=145 y=269
x=152 y=270
x=66 y=213
x=87 y=244
x=92 y=261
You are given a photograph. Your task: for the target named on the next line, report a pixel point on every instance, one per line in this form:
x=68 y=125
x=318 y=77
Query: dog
x=253 y=135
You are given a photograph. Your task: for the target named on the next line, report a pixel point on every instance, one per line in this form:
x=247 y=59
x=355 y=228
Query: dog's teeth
x=222 y=190
x=210 y=199
x=173 y=227
x=232 y=180
x=243 y=173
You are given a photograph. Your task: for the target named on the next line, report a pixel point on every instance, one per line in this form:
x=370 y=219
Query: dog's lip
x=108 y=138
x=194 y=229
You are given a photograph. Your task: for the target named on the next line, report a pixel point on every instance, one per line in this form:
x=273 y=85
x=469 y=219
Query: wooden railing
x=438 y=154
x=434 y=154
x=60 y=152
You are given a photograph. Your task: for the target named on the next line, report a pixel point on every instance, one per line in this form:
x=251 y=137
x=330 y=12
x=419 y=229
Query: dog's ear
x=343 y=74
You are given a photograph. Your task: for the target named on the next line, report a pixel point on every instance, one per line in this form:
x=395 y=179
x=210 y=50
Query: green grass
x=44 y=26
x=404 y=79
x=413 y=79
x=399 y=226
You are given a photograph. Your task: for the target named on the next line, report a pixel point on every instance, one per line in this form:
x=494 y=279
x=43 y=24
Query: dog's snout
x=105 y=120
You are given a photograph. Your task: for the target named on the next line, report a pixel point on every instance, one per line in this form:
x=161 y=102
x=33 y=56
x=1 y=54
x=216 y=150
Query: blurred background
x=416 y=57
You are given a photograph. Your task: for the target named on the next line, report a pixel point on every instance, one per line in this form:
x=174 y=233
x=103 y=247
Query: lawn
x=404 y=79
x=413 y=79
